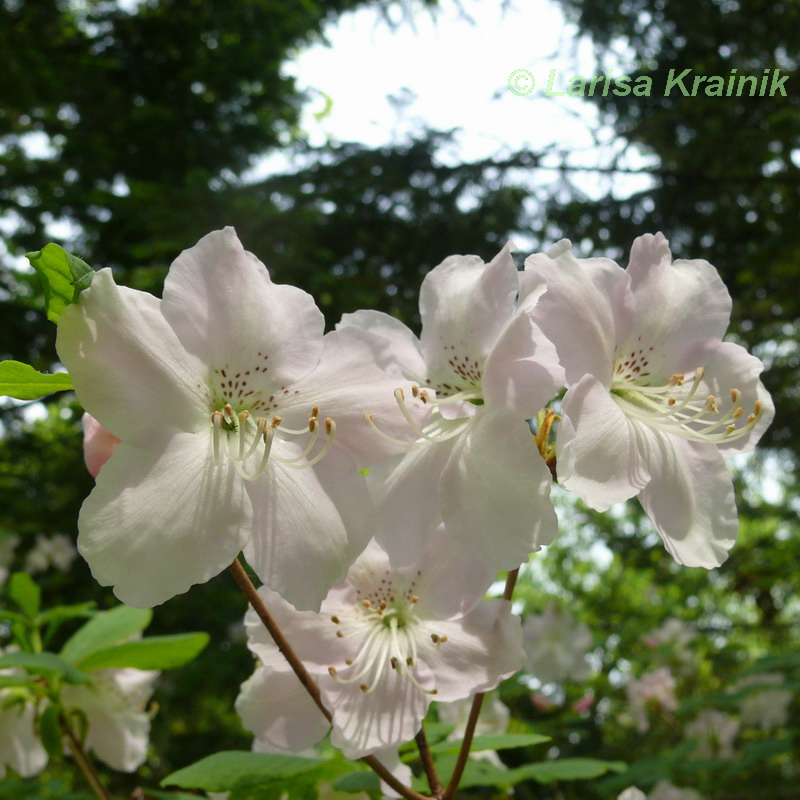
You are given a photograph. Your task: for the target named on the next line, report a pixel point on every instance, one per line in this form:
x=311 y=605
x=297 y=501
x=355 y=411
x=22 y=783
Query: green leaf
x=157 y=794
x=107 y=628
x=236 y=769
x=361 y=781
x=55 y=616
x=505 y=741
x=154 y=652
x=22 y=589
x=64 y=277
x=50 y=732
x=43 y=662
x=23 y=382
x=566 y=769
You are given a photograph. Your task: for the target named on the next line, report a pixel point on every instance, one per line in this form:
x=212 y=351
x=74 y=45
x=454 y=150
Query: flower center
x=241 y=438
x=388 y=626
x=679 y=407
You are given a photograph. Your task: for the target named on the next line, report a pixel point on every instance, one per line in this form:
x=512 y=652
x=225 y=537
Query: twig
x=246 y=585
x=84 y=762
x=427 y=763
x=477 y=702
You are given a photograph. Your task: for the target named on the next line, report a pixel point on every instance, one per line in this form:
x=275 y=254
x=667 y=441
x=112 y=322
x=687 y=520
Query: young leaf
x=235 y=769
x=23 y=590
x=23 y=382
x=43 y=662
x=107 y=628
x=154 y=652
x=566 y=769
x=64 y=277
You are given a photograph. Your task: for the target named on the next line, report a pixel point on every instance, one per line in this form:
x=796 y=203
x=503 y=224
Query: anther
x=676 y=380
x=315 y=411
x=758 y=407
x=312 y=424
x=228 y=411
x=332 y=671
x=435 y=638
x=394 y=662
x=335 y=619
x=339 y=635
x=443 y=639
x=738 y=413
x=276 y=421
x=328 y=425
x=414 y=600
x=415 y=390
x=348 y=661
x=364 y=688
x=366 y=603
x=736 y=395
x=711 y=404
x=751 y=418
x=410 y=661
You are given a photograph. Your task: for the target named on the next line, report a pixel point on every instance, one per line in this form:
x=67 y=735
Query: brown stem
x=427 y=763
x=84 y=762
x=477 y=702
x=246 y=585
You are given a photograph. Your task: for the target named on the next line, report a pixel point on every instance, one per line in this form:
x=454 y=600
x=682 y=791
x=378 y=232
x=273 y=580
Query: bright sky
x=451 y=69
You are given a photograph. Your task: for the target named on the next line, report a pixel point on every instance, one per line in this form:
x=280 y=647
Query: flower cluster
x=223 y=419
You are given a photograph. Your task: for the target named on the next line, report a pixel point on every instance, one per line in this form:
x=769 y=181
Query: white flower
x=664 y=790
x=20 y=747
x=767 y=708
x=493 y=719
x=226 y=397
x=655 y=398
x=484 y=367
x=653 y=691
x=8 y=544
x=56 y=551
x=632 y=793
x=556 y=645
x=383 y=646
x=114 y=702
x=715 y=733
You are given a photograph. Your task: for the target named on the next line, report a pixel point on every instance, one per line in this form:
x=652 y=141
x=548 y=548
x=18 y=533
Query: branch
x=427 y=763
x=84 y=762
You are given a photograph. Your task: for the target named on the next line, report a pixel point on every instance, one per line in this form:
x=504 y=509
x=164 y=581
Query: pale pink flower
x=715 y=733
x=385 y=644
x=484 y=368
x=20 y=747
x=226 y=396
x=99 y=444
x=114 y=704
x=556 y=645
x=664 y=790
x=632 y=793
x=493 y=720
x=654 y=691
x=55 y=551
x=767 y=708
x=655 y=398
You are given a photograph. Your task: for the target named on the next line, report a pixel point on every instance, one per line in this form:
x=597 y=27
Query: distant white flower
x=715 y=733
x=674 y=636
x=632 y=793
x=484 y=368
x=385 y=644
x=7 y=546
x=766 y=708
x=664 y=790
x=556 y=645
x=20 y=747
x=654 y=691
x=226 y=396
x=56 y=551
x=114 y=702
x=493 y=719
x=655 y=399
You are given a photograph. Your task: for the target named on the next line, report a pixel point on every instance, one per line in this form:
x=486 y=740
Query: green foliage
x=23 y=382
x=64 y=276
x=105 y=629
x=43 y=664
x=240 y=770
x=154 y=652
x=25 y=593
x=504 y=741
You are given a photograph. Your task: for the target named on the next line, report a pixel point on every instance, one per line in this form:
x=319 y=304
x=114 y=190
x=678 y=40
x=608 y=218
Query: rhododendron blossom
x=715 y=733
x=20 y=747
x=654 y=691
x=385 y=644
x=767 y=708
x=483 y=367
x=655 y=398
x=556 y=645
x=227 y=401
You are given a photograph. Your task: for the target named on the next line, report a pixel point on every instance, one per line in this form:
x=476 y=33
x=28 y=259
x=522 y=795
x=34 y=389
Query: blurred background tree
x=128 y=128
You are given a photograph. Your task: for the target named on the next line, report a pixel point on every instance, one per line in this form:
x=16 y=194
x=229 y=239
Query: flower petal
x=99 y=444
x=481 y=649
x=522 y=371
x=682 y=308
x=116 y=338
x=386 y=717
x=464 y=305
x=603 y=456
x=225 y=309
x=20 y=747
x=495 y=492
x=585 y=311
x=406 y=492
x=161 y=520
x=309 y=525
x=275 y=706
x=691 y=502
